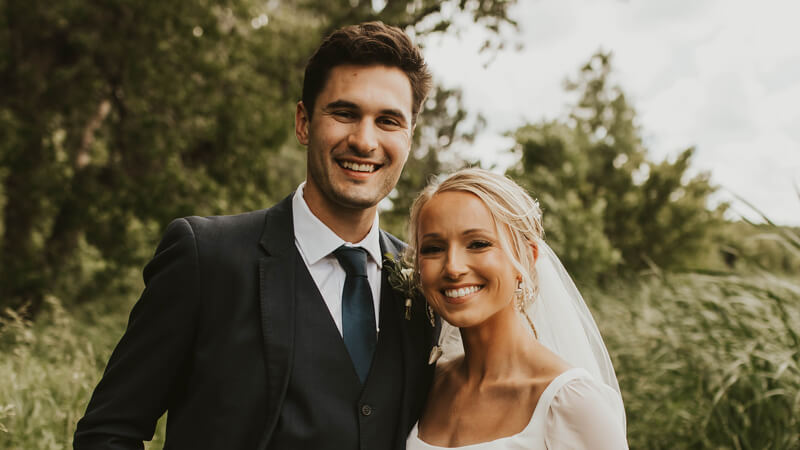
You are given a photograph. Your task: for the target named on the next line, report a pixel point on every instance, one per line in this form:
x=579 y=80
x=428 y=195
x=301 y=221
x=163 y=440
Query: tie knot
x=353 y=260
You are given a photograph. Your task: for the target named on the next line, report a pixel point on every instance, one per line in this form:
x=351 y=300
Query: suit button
x=366 y=410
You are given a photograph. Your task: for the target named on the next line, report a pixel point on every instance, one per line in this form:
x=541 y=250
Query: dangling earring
x=519 y=298
x=523 y=297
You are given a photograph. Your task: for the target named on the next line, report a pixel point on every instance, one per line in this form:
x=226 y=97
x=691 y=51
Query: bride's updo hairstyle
x=516 y=215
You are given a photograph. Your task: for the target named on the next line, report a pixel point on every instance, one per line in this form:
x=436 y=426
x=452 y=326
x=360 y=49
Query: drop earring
x=522 y=298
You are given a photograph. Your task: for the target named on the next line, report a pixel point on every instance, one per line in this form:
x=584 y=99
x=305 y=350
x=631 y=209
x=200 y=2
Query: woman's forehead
x=455 y=212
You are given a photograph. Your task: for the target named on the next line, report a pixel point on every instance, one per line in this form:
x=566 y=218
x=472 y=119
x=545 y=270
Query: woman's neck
x=500 y=348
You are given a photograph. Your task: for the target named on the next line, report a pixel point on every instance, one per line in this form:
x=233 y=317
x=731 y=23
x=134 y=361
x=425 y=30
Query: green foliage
x=555 y=169
x=49 y=369
x=118 y=117
x=746 y=247
x=606 y=205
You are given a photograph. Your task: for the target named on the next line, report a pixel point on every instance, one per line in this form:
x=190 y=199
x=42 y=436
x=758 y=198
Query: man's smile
x=357 y=166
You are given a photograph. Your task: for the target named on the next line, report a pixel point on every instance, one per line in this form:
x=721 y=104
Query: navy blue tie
x=358 y=311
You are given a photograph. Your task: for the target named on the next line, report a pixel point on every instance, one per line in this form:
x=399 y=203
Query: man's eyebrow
x=341 y=104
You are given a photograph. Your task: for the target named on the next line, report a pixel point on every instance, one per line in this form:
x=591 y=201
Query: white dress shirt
x=316 y=243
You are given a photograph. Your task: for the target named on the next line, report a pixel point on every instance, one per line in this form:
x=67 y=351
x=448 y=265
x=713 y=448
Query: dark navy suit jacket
x=210 y=341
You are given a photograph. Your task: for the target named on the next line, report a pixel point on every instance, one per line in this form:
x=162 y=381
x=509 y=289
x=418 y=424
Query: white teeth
x=358 y=167
x=460 y=292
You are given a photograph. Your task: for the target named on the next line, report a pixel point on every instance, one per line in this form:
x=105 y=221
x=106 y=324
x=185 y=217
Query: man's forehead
x=376 y=84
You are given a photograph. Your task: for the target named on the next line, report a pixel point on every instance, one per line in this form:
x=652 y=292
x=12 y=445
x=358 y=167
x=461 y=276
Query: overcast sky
x=723 y=76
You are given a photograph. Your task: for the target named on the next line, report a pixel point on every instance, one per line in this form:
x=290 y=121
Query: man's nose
x=364 y=137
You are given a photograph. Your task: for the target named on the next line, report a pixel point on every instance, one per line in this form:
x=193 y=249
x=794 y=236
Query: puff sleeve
x=586 y=414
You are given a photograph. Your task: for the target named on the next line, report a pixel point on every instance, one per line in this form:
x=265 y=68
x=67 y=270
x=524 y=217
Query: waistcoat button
x=366 y=410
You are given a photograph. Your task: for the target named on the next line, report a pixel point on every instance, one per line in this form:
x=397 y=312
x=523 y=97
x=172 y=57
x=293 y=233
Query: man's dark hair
x=367 y=44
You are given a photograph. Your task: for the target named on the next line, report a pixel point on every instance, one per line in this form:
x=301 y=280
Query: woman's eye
x=429 y=249
x=479 y=244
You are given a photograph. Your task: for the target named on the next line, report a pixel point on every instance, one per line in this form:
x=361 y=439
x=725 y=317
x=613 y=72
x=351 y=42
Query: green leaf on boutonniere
x=401 y=278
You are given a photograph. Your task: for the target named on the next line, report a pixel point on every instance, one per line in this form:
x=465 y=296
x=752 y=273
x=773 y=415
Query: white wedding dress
x=575 y=411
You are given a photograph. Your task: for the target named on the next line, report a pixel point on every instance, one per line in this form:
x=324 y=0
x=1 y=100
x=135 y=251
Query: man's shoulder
x=244 y=219
x=250 y=221
x=226 y=230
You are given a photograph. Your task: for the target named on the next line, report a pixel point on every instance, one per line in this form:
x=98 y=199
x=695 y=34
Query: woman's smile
x=458 y=295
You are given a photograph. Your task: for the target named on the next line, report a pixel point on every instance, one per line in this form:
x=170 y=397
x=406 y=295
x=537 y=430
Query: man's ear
x=301 y=122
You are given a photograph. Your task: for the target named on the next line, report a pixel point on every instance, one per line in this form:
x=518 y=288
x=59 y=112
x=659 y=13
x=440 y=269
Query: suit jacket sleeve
x=150 y=362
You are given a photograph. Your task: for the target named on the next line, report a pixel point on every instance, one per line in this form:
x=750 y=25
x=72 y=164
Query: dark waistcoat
x=326 y=406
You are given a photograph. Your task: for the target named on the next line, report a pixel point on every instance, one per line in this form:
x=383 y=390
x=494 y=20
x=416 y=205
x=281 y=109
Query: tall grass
x=49 y=368
x=707 y=361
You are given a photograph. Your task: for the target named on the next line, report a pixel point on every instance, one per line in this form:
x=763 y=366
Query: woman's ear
x=534 y=249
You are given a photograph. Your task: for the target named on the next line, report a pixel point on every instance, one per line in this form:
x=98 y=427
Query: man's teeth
x=358 y=167
x=460 y=292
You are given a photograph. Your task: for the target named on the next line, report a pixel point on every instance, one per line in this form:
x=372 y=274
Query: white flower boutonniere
x=401 y=278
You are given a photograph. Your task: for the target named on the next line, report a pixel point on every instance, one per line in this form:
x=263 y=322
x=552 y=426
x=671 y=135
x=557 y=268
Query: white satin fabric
x=576 y=411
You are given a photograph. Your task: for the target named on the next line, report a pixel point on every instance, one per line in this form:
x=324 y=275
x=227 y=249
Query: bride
x=524 y=366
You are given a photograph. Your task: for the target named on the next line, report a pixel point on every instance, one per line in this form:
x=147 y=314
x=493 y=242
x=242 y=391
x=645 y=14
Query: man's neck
x=350 y=224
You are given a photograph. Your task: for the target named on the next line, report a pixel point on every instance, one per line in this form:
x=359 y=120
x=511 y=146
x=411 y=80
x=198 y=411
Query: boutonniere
x=401 y=278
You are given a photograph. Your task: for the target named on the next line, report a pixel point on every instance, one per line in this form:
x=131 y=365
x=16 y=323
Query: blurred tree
x=606 y=205
x=117 y=116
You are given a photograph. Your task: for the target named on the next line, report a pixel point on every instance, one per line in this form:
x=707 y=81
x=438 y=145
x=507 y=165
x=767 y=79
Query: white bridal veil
x=562 y=320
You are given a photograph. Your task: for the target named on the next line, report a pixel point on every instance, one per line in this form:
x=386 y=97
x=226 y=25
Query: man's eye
x=389 y=121
x=477 y=245
x=429 y=249
x=344 y=114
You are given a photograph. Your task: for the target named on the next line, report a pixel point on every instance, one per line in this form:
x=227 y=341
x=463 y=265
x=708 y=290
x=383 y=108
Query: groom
x=277 y=329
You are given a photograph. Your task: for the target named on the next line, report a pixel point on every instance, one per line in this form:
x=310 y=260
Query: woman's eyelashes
x=430 y=249
x=479 y=244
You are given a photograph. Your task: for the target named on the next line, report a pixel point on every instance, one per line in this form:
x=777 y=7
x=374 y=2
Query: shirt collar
x=317 y=241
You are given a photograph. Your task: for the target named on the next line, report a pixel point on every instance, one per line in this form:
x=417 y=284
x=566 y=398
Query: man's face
x=358 y=137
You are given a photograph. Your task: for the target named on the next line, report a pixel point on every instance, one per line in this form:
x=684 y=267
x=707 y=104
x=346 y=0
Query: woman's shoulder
x=583 y=412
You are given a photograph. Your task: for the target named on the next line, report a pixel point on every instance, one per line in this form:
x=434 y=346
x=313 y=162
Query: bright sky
x=723 y=76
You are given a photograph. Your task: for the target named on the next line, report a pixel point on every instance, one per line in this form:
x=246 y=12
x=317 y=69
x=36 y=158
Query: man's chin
x=351 y=202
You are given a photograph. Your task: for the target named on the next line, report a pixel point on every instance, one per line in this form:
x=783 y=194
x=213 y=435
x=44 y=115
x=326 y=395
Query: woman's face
x=465 y=274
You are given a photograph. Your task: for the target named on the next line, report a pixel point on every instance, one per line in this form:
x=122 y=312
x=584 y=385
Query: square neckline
x=546 y=398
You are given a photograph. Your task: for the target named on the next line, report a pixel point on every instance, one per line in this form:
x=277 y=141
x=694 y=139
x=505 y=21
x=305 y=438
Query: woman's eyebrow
x=475 y=231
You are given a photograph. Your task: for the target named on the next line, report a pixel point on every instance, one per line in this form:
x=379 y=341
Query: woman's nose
x=454 y=266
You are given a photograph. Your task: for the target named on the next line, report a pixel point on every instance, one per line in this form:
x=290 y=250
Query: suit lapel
x=277 y=301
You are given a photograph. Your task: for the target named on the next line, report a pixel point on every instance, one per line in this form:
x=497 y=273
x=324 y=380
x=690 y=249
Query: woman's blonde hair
x=516 y=215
